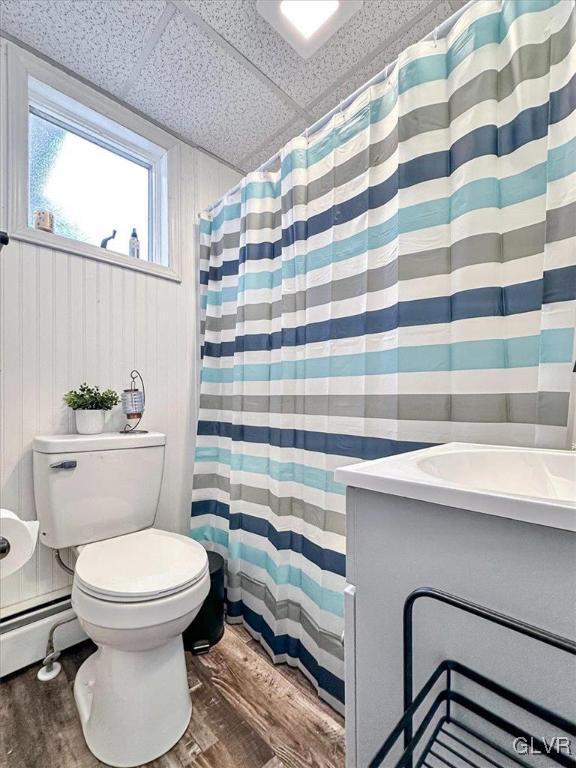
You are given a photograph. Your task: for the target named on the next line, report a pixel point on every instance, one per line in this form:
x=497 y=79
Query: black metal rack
x=441 y=738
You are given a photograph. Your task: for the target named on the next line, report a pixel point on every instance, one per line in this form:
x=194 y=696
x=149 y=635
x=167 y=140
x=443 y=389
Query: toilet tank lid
x=106 y=441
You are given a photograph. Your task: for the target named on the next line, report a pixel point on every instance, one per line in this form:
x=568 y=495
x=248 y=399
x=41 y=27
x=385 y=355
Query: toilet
x=135 y=588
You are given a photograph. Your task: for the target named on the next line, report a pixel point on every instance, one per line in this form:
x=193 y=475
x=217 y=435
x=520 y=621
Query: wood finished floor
x=247 y=713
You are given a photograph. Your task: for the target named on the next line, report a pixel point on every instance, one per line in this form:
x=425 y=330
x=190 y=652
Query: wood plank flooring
x=247 y=713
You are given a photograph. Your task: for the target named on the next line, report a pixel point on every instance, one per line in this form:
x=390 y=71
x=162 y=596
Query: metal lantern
x=133 y=402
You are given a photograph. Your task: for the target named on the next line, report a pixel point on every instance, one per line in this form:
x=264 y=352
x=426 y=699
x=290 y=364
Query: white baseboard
x=26 y=644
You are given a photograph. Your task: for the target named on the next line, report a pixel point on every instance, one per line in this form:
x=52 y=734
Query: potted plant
x=89 y=404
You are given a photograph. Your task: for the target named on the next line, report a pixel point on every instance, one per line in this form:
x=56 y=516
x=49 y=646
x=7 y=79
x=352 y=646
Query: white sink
x=528 y=484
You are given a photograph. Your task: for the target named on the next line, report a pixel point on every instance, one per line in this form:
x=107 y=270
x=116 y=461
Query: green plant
x=88 y=398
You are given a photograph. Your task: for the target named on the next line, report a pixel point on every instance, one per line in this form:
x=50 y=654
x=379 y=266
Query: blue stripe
x=483 y=31
x=285 y=645
x=283 y=471
x=326 y=599
x=559 y=285
x=519 y=352
x=563 y=101
x=226 y=269
x=228 y=212
x=213 y=454
x=562 y=161
x=210 y=533
x=326 y=559
x=476 y=302
x=360 y=447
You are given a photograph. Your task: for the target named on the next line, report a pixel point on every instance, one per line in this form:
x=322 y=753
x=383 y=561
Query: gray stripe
x=211 y=480
x=553 y=408
x=228 y=241
x=369 y=157
x=529 y=62
x=477 y=249
x=287 y=609
x=324 y=519
x=518 y=408
x=264 y=220
x=561 y=223
x=218 y=324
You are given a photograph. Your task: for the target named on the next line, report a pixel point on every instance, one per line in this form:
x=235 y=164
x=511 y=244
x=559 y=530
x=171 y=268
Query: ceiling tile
x=197 y=89
x=304 y=80
x=100 y=41
x=422 y=28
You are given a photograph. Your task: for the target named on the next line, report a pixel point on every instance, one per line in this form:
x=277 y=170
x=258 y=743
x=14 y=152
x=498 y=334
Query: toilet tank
x=93 y=487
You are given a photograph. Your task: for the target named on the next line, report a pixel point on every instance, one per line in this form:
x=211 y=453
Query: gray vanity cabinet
x=395 y=545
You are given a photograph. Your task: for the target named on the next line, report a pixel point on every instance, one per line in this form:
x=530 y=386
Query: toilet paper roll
x=21 y=536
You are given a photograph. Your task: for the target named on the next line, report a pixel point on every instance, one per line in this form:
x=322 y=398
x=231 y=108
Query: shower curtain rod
x=437 y=33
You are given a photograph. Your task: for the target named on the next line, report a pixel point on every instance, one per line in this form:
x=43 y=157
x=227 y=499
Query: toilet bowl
x=134 y=595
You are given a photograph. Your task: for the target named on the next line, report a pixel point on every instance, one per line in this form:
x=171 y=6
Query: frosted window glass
x=90 y=190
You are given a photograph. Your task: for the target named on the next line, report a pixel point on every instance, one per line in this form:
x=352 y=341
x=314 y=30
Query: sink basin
x=529 y=484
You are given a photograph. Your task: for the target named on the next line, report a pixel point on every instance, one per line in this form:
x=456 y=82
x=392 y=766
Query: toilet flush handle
x=64 y=465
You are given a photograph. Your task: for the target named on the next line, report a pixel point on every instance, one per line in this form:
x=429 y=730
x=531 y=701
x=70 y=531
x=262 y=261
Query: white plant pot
x=89 y=422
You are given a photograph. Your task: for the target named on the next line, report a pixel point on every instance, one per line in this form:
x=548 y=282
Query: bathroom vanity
x=490 y=524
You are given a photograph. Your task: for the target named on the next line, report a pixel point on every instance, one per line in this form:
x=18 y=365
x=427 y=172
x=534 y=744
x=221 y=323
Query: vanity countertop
x=531 y=485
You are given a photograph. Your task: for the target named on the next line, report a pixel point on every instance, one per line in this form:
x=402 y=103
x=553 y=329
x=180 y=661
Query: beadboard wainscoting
x=66 y=319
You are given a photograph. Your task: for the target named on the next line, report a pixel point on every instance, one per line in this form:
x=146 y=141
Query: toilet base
x=133 y=705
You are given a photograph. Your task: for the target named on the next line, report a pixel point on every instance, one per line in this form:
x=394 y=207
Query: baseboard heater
x=23 y=637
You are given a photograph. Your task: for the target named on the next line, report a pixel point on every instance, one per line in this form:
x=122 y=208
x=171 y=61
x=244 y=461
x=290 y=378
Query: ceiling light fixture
x=308 y=15
x=307 y=24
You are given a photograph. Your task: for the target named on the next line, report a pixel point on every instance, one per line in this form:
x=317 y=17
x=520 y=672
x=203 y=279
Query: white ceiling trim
x=148 y=47
x=239 y=56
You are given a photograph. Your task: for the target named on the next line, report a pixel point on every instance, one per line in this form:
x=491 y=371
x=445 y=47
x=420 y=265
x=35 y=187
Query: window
x=89 y=187
x=92 y=164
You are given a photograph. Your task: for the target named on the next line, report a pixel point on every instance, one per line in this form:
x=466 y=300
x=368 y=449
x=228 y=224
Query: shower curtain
x=406 y=278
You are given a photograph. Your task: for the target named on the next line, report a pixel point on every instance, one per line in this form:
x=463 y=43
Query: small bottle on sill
x=134 y=245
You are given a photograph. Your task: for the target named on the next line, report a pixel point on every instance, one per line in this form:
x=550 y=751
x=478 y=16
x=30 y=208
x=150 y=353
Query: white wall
x=65 y=319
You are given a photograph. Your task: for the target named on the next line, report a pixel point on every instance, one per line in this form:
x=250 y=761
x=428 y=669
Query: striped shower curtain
x=407 y=277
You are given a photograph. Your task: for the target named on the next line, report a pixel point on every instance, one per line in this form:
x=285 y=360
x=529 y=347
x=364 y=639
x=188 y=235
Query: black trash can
x=207 y=628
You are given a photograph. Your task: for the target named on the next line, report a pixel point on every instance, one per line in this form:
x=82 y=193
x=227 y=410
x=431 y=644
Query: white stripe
x=389 y=429
x=523 y=379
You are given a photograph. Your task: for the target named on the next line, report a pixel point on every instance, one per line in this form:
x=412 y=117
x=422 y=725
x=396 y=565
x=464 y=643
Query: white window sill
x=78 y=248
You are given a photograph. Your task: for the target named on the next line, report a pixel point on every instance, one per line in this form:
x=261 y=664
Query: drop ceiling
x=214 y=71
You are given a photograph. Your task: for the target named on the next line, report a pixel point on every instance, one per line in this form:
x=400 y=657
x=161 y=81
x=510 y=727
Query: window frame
x=30 y=83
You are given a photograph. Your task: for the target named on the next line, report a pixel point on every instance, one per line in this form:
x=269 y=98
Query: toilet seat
x=139 y=580
x=140 y=567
